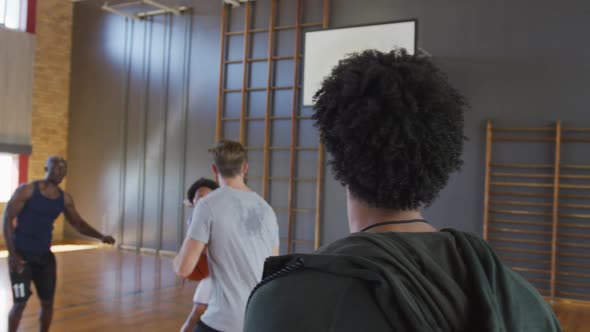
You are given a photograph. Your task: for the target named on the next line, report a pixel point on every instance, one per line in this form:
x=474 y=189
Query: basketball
x=201 y=271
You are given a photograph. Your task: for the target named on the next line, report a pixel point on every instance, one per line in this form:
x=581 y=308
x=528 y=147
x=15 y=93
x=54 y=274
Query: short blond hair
x=229 y=157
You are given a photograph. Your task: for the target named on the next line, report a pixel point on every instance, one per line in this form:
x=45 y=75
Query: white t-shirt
x=203 y=292
x=240 y=230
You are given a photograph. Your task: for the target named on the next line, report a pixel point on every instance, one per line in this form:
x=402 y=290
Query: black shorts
x=202 y=327
x=40 y=269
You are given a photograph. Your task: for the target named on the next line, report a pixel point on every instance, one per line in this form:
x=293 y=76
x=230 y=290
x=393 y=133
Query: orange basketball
x=201 y=271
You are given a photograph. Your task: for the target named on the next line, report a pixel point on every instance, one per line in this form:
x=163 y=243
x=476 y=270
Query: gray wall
x=152 y=183
x=518 y=63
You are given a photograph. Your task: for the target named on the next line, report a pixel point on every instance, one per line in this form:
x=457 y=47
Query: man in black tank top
x=36 y=206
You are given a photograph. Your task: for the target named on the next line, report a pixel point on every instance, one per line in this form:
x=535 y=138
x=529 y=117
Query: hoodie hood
x=439 y=281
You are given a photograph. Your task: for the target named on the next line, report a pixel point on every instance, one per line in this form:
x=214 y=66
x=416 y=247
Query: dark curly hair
x=202 y=182
x=393 y=125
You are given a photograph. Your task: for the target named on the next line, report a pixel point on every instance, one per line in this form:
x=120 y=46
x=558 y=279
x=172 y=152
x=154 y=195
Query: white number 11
x=19 y=290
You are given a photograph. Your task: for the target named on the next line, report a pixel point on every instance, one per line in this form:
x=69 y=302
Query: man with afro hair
x=393 y=125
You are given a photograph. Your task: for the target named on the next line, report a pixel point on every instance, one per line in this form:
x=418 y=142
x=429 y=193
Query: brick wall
x=51 y=87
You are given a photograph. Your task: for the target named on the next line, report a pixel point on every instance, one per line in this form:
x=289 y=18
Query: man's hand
x=108 y=240
x=16 y=264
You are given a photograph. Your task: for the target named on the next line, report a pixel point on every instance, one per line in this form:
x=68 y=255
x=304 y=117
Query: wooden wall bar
x=250 y=54
x=536 y=214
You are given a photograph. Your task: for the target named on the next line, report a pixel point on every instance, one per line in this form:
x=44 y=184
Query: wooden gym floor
x=108 y=290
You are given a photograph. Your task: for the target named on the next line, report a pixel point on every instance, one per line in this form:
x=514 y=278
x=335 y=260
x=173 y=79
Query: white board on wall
x=324 y=48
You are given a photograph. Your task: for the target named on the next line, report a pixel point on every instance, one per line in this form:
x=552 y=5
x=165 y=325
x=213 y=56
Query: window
x=2 y=11
x=13 y=14
x=8 y=176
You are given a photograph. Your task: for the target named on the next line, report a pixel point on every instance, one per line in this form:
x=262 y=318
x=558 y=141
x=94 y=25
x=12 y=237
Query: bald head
x=54 y=159
x=56 y=169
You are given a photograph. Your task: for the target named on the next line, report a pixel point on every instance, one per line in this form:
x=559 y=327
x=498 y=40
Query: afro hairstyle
x=393 y=125
x=202 y=182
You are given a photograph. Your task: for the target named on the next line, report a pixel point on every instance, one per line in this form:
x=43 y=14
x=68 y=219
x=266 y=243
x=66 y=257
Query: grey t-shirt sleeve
x=200 y=227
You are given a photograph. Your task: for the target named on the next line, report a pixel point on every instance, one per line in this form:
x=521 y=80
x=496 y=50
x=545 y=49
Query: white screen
x=324 y=48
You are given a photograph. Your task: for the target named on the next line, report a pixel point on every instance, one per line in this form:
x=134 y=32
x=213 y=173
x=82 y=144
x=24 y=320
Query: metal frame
x=268 y=118
x=164 y=120
x=185 y=112
x=506 y=233
x=128 y=42
x=160 y=9
x=144 y=108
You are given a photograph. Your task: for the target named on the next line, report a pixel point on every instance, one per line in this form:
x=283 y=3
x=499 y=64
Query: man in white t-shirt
x=196 y=191
x=239 y=230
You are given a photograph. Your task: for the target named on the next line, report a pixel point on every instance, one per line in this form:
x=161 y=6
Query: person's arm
x=275 y=251
x=200 y=310
x=188 y=256
x=195 y=241
x=74 y=219
x=14 y=206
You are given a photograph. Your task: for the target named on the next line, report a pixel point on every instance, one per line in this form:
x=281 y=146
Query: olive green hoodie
x=438 y=281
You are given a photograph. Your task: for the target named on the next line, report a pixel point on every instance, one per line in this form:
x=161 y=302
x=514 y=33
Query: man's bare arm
x=74 y=219
x=188 y=256
x=13 y=208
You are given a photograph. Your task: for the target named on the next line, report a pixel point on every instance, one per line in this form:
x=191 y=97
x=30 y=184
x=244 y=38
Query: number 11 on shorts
x=19 y=290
